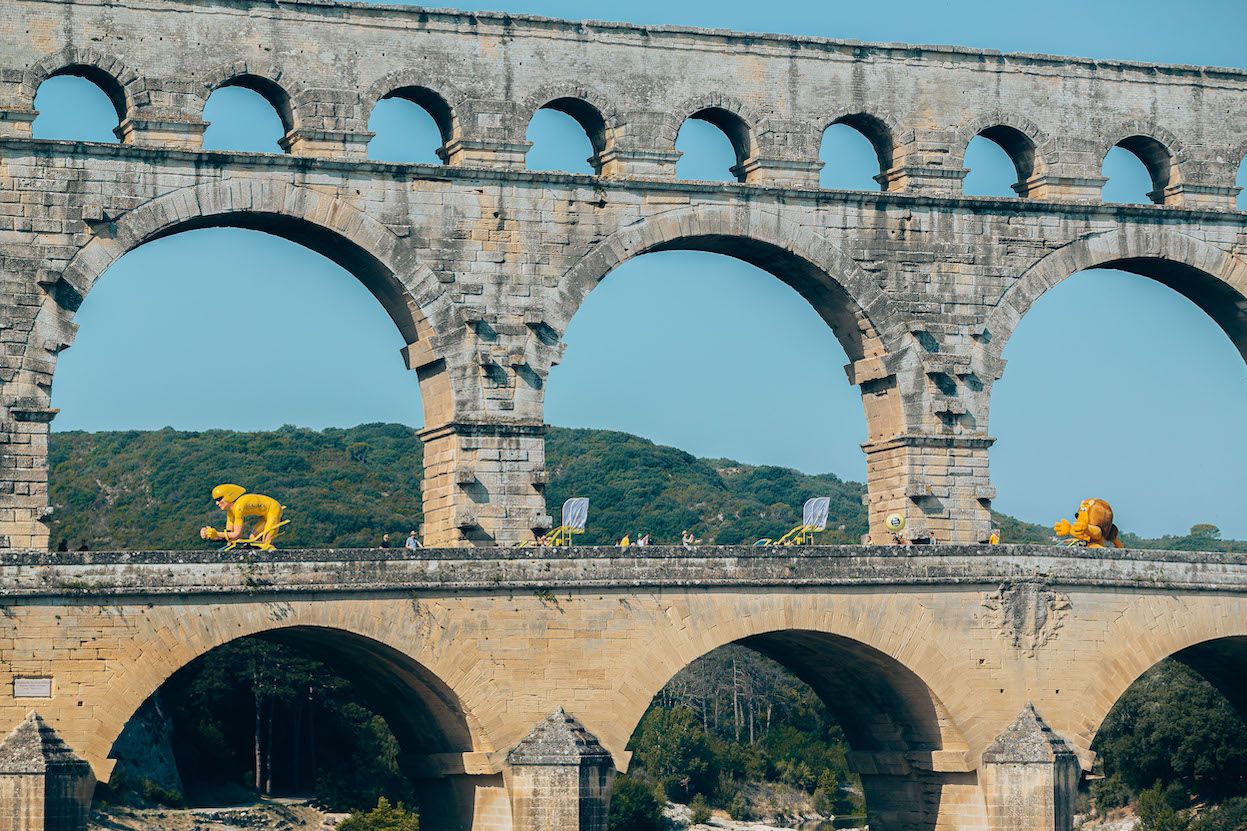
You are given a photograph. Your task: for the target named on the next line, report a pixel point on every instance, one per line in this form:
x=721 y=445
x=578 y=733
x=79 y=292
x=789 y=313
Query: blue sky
x=698 y=350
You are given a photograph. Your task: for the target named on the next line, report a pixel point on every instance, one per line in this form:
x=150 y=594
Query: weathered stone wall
x=926 y=656
x=482 y=264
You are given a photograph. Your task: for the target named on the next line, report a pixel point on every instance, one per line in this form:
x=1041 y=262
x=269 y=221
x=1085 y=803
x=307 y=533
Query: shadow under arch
x=1210 y=277
x=425 y=715
x=590 y=119
x=407 y=289
x=894 y=722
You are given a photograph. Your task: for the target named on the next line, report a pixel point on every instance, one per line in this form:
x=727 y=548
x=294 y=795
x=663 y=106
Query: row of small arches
x=415 y=124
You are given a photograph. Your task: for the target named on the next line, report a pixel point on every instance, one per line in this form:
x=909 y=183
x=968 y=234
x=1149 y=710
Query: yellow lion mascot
x=1093 y=525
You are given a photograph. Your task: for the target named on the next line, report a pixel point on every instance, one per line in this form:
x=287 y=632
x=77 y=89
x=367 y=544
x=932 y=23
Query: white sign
x=32 y=687
x=814 y=516
x=576 y=512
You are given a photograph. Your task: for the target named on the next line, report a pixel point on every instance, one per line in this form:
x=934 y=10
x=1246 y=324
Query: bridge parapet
x=33 y=574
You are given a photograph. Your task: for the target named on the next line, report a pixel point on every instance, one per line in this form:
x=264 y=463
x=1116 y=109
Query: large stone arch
x=871 y=330
x=853 y=303
x=1211 y=277
x=1208 y=634
x=885 y=686
x=395 y=660
x=406 y=288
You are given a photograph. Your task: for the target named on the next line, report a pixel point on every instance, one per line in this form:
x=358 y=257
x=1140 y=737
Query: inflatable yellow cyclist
x=238 y=506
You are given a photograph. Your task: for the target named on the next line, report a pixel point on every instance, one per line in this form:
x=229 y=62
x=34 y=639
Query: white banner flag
x=576 y=513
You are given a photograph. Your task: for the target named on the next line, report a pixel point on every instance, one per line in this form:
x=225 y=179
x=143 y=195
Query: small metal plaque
x=32 y=687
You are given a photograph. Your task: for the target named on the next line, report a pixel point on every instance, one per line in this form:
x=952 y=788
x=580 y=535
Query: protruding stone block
x=43 y=785
x=1029 y=778
x=560 y=778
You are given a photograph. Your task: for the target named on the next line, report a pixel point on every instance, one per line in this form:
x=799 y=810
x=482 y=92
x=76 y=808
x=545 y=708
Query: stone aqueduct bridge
x=926 y=656
x=481 y=263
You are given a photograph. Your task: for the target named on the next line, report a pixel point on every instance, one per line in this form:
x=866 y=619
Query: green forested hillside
x=346 y=487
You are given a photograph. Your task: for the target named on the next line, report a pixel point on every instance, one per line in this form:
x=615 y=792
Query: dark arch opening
x=585 y=117
x=240 y=119
x=823 y=714
x=1156 y=159
x=1179 y=732
x=80 y=103
x=847 y=144
x=1221 y=302
x=283 y=707
x=730 y=125
x=422 y=105
x=1017 y=147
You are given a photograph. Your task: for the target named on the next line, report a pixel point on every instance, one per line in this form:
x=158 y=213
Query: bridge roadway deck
x=33 y=574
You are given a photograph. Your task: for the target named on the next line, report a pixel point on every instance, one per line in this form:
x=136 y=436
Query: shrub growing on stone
x=384 y=817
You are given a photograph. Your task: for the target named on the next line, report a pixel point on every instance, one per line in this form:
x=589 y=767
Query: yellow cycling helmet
x=229 y=493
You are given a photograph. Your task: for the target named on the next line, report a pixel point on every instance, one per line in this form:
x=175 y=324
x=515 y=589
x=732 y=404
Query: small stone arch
x=598 y=117
x=736 y=119
x=408 y=290
x=441 y=98
x=854 y=305
x=267 y=79
x=125 y=88
x=1022 y=140
x=1159 y=149
x=880 y=128
x=1212 y=278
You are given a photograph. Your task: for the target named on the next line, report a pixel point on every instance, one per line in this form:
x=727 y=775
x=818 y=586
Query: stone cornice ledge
x=218 y=165
x=30 y=574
